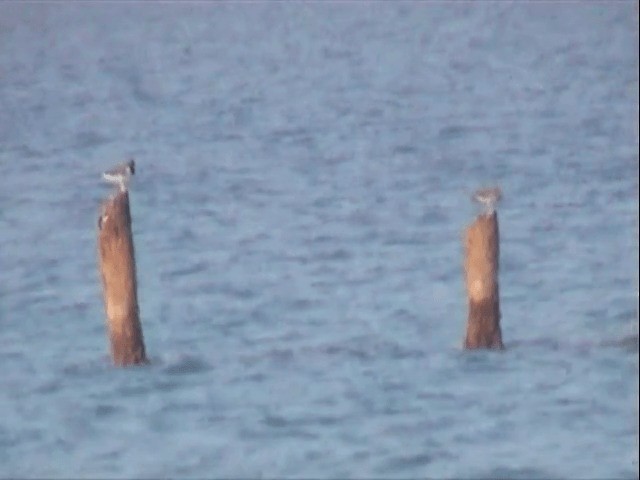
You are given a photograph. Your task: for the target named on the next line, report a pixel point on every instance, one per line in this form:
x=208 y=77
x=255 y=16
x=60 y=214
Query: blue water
x=303 y=180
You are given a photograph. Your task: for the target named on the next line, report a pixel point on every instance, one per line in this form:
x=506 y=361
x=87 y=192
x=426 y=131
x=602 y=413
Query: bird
x=489 y=197
x=120 y=174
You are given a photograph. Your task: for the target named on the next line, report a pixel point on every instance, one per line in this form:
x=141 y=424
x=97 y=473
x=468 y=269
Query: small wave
x=186 y=365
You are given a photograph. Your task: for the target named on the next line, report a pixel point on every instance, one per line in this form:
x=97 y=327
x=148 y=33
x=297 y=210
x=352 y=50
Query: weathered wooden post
x=481 y=265
x=119 y=286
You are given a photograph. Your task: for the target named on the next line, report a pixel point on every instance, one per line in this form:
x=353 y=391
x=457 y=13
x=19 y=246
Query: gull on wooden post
x=488 y=197
x=120 y=174
x=481 y=266
x=117 y=267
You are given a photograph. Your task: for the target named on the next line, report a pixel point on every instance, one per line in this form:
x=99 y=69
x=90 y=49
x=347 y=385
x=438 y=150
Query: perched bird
x=120 y=174
x=489 y=197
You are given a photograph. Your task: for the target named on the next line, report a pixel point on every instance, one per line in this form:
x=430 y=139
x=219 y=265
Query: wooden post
x=118 y=273
x=482 y=252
